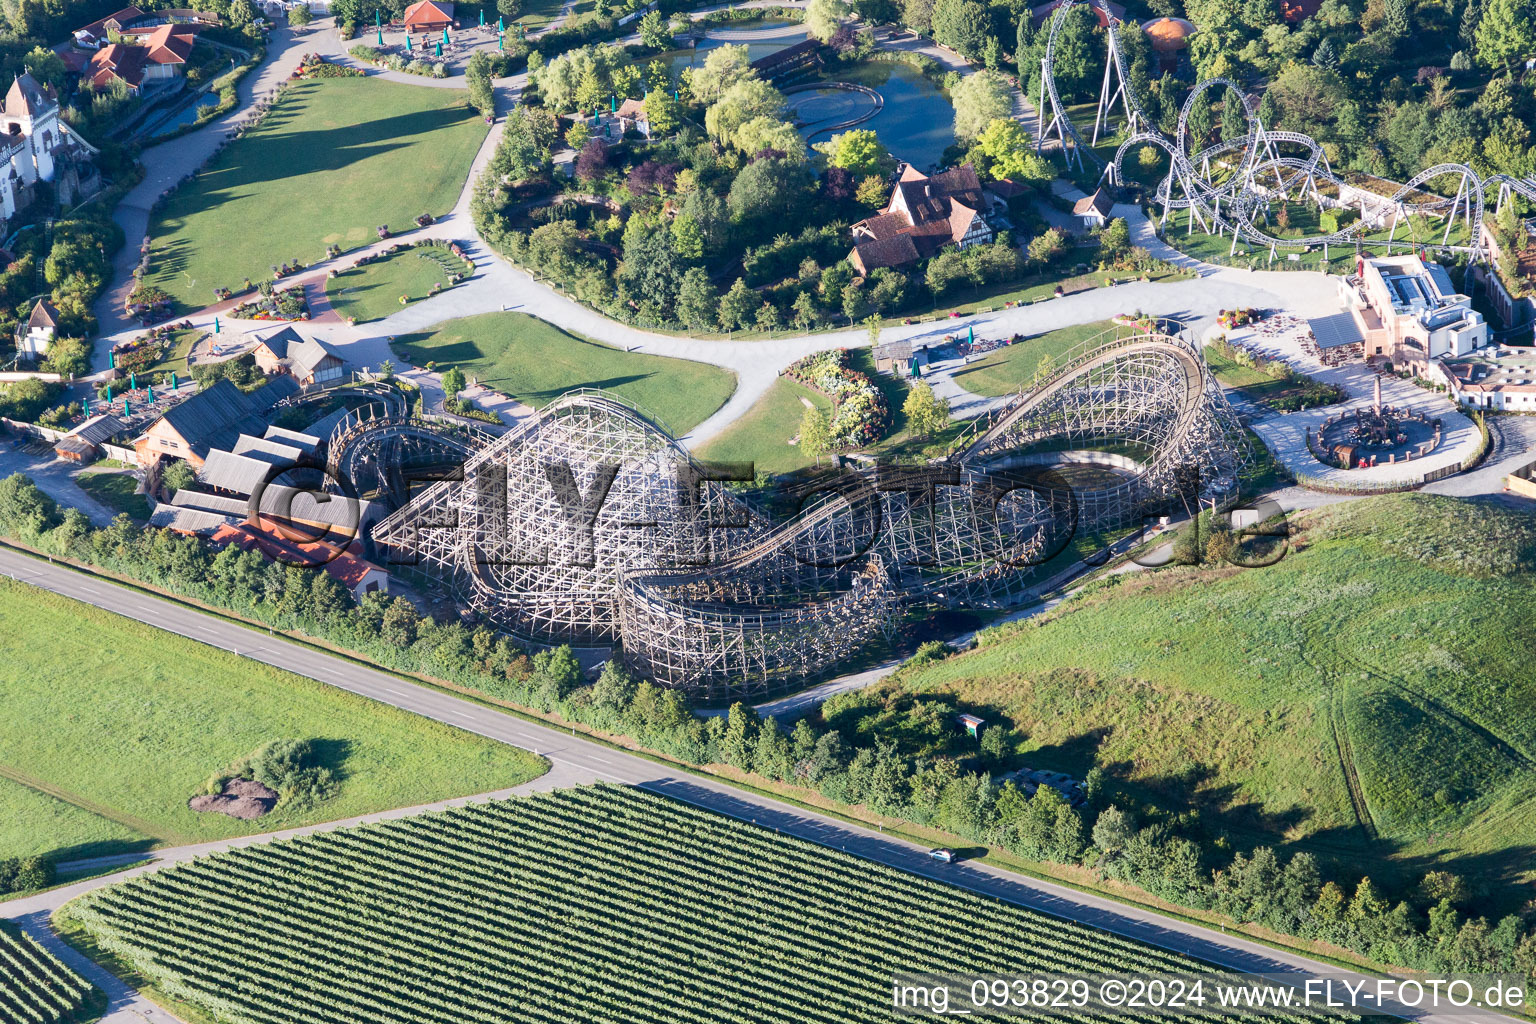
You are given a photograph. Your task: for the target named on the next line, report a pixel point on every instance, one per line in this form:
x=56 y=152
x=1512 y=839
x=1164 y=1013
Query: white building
x=38 y=146
x=34 y=336
x=1410 y=314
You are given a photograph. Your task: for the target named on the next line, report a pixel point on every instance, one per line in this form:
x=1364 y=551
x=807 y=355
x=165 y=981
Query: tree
x=477 y=76
x=1023 y=39
x=740 y=103
x=662 y=112
x=46 y=66
x=769 y=318
x=687 y=238
x=769 y=135
x=1112 y=831
x=655 y=31
x=741 y=725
x=698 y=301
x=980 y=99
x=454 y=382
x=770 y=192
x=737 y=306
x=815 y=433
x=824 y=17
x=804 y=314
x=1326 y=56
x=871 y=191
x=1046 y=248
x=300 y=15
x=592 y=161
x=1506 y=33
x=859 y=152
x=1005 y=149
x=1114 y=241
x=509 y=9
x=926 y=412
x=961 y=25
x=178 y=476
x=241 y=13
x=577 y=136
x=722 y=68
x=651 y=267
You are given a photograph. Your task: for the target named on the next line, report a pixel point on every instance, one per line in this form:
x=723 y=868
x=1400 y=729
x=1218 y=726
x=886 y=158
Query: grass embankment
x=124 y=723
x=333 y=160
x=1390 y=647
x=536 y=362
x=373 y=291
x=1003 y=371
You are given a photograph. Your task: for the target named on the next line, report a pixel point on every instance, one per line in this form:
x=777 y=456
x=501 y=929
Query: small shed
x=972 y=723
x=1094 y=210
x=893 y=357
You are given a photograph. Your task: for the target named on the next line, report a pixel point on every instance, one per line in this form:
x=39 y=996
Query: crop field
x=1368 y=697
x=34 y=987
x=599 y=904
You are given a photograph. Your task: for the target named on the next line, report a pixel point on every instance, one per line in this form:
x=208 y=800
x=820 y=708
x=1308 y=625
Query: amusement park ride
x=1229 y=186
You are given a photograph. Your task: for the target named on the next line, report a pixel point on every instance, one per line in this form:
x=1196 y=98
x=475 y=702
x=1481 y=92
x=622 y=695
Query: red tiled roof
x=98 y=29
x=118 y=60
x=171 y=44
x=886 y=252
x=346 y=566
x=428 y=14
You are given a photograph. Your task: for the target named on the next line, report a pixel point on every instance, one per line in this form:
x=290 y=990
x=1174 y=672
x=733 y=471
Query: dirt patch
x=242 y=798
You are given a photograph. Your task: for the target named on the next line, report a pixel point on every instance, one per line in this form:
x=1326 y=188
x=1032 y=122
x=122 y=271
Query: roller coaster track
x=1239 y=204
x=703 y=592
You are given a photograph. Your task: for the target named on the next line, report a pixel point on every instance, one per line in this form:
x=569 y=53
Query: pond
x=760 y=38
x=186 y=116
x=916 y=122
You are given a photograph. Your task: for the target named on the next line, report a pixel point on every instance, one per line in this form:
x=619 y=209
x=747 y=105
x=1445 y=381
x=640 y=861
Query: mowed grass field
x=124 y=722
x=373 y=292
x=117 y=491
x=333 y=160
x=536 y=362
x=1003 y=371
x=761 y=436
x=1393 y=645
x=597 y=904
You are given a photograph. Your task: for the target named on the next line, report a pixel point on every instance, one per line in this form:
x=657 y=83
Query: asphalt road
x=576 y=760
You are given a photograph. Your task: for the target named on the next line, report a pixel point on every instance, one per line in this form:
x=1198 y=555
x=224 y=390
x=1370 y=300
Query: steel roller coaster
x=589 y=525
x=1229 y=187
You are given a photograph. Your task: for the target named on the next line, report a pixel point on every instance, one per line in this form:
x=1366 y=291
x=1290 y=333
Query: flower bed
x=279 y=305
x=1227 y=318
x=312 y=65
x=399 y=62
x=859 y=414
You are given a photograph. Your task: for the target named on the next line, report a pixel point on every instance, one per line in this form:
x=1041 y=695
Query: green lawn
x=333 y=160
x=126 y=722
x=373 y=291
x=1395 y=623
x=762 y=435
x=116 y=491
x=177 y=348
x=1002 y=371
x=534 y=362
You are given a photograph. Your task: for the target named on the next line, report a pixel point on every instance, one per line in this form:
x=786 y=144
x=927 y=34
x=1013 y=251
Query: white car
x=946 y=856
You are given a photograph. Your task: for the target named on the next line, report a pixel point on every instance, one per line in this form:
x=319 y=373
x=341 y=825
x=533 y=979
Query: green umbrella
x=446 y=40
x=408 y=47
x=381 y=37
x=439 y=49
x=500 y=42
x=500 y=24
x=482 y=17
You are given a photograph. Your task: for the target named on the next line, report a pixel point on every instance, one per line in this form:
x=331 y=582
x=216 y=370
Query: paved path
x=577 y=760
x=498 y=286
